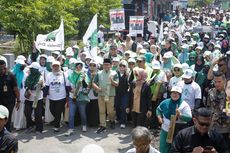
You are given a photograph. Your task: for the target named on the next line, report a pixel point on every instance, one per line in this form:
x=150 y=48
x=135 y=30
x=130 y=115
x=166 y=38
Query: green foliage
x=203 y=3
x=27 y=18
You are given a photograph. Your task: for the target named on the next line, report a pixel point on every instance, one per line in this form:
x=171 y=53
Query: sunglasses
x=139 y=61
x=122 y=66
x=177 y=69
x=203 y=124
x=220 y=65
x=131 y=63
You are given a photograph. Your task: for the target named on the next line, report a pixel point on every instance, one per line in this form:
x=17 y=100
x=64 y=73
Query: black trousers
x=92 y=112
x=57 y=107
x=37 y=113
x=9 y=104
x=139 y=119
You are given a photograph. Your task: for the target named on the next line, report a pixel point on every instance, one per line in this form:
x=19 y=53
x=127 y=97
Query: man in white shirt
x=191 y=90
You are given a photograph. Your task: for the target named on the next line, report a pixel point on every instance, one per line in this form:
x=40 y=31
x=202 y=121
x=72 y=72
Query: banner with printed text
x=136 y=25
x=117 y=19
x=51 y=41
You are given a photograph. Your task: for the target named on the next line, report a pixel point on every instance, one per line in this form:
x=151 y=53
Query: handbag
x=83 y=96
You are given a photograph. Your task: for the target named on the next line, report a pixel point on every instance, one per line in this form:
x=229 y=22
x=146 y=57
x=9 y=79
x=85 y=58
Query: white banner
x=117 y=19
x=136 y=25
x=51 y=41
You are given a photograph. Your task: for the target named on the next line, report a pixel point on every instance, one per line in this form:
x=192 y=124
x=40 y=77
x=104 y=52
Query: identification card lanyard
x=5 y=87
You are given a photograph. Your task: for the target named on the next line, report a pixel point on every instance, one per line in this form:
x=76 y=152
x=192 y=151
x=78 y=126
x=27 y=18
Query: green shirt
x=103 y=82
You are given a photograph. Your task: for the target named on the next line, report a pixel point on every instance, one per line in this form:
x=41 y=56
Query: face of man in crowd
x=227 y=89
x=219 y=83
x=131 y=65
x=222 y=66
x=2 y=69
x=113 y=51
x=202 y=124
x=2 y=123
x=187 y=80
x=142 y=146
x=106 y=66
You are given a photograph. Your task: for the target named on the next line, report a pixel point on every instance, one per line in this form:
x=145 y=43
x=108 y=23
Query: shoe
x=69 y=132
x=122 y=126
x=30 y=130
x=84 y=129
x=56 y=130
x=112 y=126
x=101 y=129
x=38 y=132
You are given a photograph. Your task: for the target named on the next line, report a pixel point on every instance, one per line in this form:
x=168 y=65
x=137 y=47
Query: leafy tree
x=27 y=18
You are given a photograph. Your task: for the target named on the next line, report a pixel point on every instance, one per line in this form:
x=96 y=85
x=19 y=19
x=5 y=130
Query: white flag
x=90 y=37
x=51 y=41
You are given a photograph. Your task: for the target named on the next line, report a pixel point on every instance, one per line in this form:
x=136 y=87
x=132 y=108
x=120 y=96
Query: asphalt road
x=113 y=141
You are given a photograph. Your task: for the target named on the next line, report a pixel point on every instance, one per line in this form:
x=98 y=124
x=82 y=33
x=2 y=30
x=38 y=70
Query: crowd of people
x=180 y=71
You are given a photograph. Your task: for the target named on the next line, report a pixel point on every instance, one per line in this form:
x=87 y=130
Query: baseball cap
x=176 y=89
x=206 y=36
x=69 y=51
x=50 y=59
x=131 y=60
x=187 y=34
x=156 y=65
x=116 y=59
x=217 y=46
x=56 y=52
x=177 y=65
x=199 y=47
x=168 y=54
x=4 y=113
x=141 y=58
x=143 y=51
x=35 y=65
x=43 y=55
x=187 y=74
x=72 y=61
x=21 y=57
x=79 y=62
x=56 y=63
x=20 y=61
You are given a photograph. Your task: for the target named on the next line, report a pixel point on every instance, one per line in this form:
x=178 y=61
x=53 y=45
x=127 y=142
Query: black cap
x=107 y=60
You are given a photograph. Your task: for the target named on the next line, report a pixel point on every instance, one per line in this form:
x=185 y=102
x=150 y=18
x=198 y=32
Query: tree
x=27 y=18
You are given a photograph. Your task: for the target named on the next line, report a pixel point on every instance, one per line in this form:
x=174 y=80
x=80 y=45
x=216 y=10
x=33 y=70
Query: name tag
x=4 y=88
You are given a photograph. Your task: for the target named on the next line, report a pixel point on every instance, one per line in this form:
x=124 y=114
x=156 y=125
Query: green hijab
x=32 y=79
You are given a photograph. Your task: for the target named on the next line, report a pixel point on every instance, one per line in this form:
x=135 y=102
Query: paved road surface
x=113 y=141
